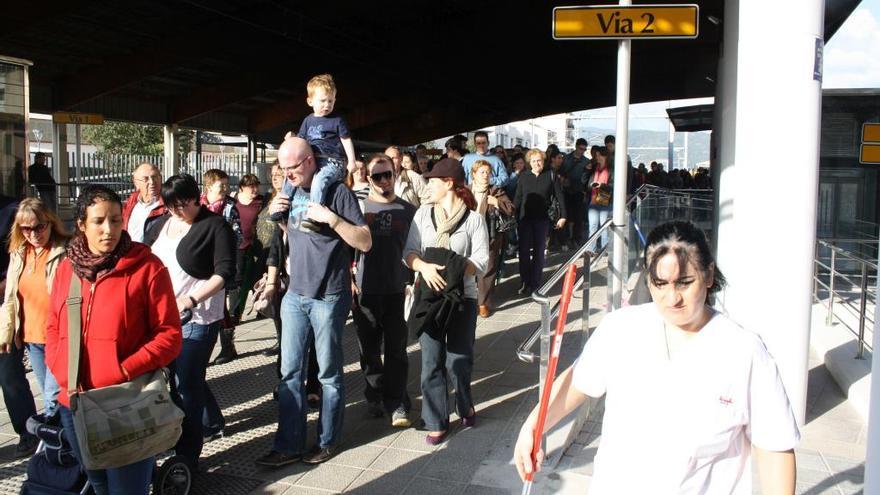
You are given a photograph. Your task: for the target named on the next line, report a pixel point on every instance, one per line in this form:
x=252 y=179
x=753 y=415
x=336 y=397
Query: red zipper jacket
x=129 y=319
x=129 y=205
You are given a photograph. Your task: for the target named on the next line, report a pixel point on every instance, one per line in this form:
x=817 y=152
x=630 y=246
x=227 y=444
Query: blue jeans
x=16 y=389
x=330 y=170
x=301 y=318
x=133 y=479
x=192 y=391
x=597 y=215
x=48 y=385
x=452 y=360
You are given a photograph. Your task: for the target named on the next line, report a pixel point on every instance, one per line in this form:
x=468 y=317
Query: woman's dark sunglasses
x=36 y=229
x=382 y=175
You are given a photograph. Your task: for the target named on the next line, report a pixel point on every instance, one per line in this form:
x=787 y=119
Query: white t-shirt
x=682 y=425
x=207 y=311
x=138 y=218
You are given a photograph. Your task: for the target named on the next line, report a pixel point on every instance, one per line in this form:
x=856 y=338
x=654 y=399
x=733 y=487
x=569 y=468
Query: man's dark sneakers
x=211 y=435
x=275 y=459
x=375 y=410
x=319 y=455
x=27 y=445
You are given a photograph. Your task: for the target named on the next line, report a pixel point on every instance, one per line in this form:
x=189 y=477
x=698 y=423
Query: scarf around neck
x=90 y=266
x=446 y=225
x=482 y=197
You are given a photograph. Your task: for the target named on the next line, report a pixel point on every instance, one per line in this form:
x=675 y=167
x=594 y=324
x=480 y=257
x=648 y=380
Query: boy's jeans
x=330 y=170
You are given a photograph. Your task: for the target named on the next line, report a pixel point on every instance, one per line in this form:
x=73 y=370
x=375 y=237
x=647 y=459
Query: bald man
x=317 y=303
x=144 y=206
x=408 y=184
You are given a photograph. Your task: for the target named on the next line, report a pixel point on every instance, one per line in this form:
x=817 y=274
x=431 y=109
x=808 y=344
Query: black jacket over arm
x=533 y=195
x=432 y=311
x=207 y=249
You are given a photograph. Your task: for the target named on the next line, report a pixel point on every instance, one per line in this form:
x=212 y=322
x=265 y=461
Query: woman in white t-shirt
x=689 y=395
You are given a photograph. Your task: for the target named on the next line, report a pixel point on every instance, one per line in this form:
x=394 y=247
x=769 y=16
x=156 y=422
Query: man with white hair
x=144 y=205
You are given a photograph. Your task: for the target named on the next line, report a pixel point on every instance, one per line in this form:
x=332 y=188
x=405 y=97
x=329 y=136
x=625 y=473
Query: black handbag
x=554 y=211
x=502 y=222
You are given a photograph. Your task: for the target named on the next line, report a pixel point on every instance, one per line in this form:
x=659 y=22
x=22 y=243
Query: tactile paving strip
x=220 y=484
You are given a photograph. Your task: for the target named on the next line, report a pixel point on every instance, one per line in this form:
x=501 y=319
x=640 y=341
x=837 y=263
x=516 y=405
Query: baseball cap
x=447 y=167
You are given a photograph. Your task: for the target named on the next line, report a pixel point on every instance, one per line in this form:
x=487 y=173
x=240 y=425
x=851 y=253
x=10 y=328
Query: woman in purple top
x=249 y=203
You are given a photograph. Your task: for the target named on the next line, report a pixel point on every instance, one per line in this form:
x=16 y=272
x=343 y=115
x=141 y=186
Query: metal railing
x=860 y=279
x=642 y=198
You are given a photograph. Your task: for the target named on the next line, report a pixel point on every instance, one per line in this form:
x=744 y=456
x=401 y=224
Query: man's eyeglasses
x=147 y=180
x=377 y=177
x=481 y=142
x=294 y=166
x=33 y=229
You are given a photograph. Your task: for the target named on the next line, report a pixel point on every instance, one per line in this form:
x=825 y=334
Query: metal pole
x=863 y=299
x=78 y=160
x=669 y=153
x=830 y=316
x=545 y=344
x=816 y=274
x=620 y=169
x=585 y=299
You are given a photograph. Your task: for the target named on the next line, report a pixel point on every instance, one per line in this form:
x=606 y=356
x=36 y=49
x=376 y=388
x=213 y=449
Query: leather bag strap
x=74 y=333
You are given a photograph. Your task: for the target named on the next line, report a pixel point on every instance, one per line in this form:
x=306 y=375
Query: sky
x=851 y=60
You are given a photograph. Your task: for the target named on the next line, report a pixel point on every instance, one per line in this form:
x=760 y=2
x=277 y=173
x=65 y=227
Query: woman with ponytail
x=450 y=231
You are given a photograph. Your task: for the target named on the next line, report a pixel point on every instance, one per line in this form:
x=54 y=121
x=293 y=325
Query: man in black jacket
x=40 y=175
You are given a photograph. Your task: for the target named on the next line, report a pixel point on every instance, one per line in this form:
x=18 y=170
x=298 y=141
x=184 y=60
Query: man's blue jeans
x=195 y=398
x=132 y=479
x=302 y=317
x=37 y=355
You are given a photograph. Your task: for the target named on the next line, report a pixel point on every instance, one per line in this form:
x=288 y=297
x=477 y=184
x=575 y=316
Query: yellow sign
x=626 y=22
x=77 y=118
x=869 y=152
x=870 y=133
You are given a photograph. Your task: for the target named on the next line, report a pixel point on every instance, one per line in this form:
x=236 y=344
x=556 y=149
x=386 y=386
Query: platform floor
x=376 y=458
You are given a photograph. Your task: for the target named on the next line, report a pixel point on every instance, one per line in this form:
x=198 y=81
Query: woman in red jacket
x=130 y=323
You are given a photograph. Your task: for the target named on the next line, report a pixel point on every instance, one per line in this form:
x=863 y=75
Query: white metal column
x=620 y=228
x=872 y=459
x=171 y=166
x=770 y=105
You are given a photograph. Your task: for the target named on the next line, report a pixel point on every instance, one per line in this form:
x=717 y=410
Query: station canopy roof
x=407 y=70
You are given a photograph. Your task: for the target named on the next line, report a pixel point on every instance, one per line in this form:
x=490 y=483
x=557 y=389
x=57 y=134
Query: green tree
x=125 y=138
x=137 y=139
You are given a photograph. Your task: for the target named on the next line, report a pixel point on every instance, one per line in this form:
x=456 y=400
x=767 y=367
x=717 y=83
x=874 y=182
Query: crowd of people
x=408 y=246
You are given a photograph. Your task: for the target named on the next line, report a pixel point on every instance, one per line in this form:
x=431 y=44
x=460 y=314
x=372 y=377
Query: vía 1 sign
x=626 y=22
x=77 y=118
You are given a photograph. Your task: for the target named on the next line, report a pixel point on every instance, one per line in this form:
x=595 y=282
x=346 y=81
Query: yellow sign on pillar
x=77 y=118
x=626 y=22
x=869 y=152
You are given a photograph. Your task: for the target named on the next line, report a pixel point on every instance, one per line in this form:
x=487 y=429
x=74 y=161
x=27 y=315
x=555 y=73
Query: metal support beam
x=750 y=107
x=619 y=225
x=872 y=458
x=171 y=165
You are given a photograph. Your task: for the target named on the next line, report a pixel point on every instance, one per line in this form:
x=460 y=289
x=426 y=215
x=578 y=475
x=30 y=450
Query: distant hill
x=648 y=146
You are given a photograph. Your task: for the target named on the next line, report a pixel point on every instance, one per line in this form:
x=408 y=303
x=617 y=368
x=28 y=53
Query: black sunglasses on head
x=382 y=175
